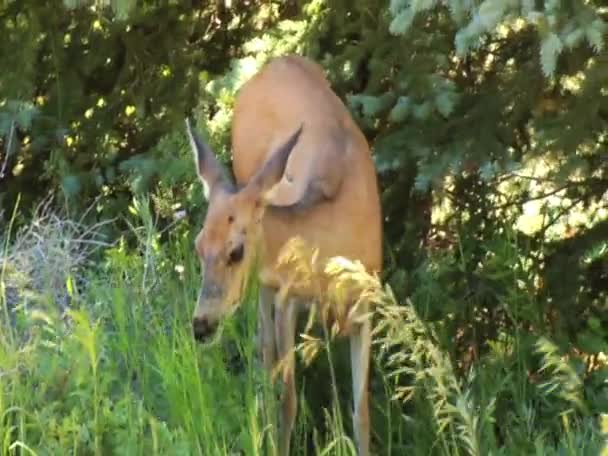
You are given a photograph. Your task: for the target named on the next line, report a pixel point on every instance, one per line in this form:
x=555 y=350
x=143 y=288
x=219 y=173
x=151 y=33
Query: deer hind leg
x=360 y=343
x=285 y=325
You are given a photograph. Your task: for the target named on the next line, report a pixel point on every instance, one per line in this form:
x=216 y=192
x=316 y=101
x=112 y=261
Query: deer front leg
x=360 y=343
x=266 y=343
x=285 y=325
x=266 y=348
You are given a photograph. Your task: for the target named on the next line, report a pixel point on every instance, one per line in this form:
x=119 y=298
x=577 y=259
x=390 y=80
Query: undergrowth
x=116 y=370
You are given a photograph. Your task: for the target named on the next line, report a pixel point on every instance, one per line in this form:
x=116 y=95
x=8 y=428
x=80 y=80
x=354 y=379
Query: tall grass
x=117 y=371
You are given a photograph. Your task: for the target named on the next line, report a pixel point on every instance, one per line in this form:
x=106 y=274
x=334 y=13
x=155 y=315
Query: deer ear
x=272 y=171
x=209 y=170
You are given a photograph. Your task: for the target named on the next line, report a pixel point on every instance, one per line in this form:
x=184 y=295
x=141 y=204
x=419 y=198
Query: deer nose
x=202 y=328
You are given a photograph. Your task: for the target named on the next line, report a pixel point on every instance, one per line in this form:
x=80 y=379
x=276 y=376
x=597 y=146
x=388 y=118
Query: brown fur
x=303 y=169
x=289 y=91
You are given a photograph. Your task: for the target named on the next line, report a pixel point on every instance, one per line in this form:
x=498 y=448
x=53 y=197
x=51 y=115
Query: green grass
x=125 y=375
x=121 y=374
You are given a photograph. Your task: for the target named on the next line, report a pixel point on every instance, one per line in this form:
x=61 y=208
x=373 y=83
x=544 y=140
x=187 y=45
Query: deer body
x=318 y=183
x=270 y=106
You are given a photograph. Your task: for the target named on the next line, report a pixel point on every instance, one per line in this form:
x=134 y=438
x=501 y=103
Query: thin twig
x=533 y=198
x=9 y=146
x=560 y=213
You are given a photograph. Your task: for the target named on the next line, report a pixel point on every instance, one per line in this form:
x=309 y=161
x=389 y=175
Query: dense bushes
x=488 y=125
x=120 y=373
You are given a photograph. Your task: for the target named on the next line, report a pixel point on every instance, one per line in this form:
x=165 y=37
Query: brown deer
x=303 y=169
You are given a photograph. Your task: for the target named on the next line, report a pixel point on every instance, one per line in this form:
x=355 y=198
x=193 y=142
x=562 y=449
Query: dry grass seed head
x=51 y=249
x=343 y=290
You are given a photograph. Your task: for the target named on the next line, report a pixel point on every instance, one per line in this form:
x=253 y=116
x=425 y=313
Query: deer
x=301 y=168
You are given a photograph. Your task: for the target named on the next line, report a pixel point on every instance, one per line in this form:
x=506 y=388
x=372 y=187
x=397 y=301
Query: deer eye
x=236 y=254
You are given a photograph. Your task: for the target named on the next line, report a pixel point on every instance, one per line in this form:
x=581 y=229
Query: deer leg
x=266 y=348
x=360 y=343
x=285 y=325
x=266 y=343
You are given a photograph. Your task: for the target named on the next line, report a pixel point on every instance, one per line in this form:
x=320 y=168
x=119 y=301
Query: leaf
x=122 y=8
x=423 y=180
x=458 y=10
x=527 y=6
x=594 y=323
x=397 y=5
x=590 y=342
x=418 y=6
x=71 y=185
x=72 y=4
x=401 y=109
x=488 y=170
x=491 y=12
x=401 y=23
x=25 y=116
x=445 y=102
x=69 y=285
x=370 y=105
x=467 y=38
x=550 y=49
x=595 y=34
x=390 y=150
x=422 y=111
x=404 y=15
x=573 y=38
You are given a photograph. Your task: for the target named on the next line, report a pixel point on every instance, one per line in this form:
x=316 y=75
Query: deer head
x=227 y=243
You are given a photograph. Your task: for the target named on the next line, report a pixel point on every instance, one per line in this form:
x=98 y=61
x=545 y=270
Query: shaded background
x=488 y=125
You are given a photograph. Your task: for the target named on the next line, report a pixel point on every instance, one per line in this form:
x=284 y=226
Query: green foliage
x=513 y=396
x=100 y=84
x=488 y=126
x=480 y=119
x=120 y=373
x=556 y=26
